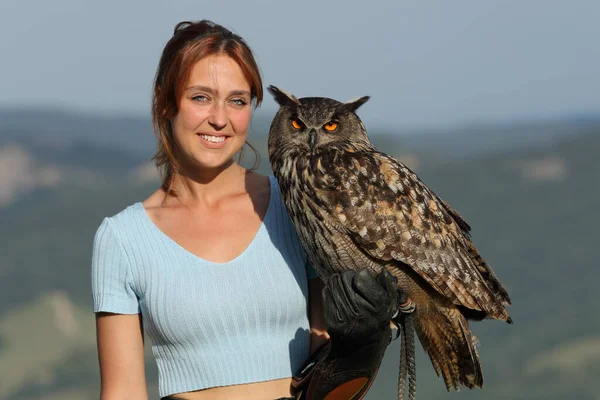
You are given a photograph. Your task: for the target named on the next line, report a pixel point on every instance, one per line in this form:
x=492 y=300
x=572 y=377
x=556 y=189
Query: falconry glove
x=358 y=311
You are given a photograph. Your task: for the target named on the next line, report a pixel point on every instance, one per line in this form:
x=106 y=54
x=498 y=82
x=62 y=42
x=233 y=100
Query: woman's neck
x=208 y=186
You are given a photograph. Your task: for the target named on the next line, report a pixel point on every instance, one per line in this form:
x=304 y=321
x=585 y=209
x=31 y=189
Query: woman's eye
x=199 y=97
x=239 y=102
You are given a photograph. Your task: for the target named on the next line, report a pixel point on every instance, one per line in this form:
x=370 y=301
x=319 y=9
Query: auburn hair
x=191 y=42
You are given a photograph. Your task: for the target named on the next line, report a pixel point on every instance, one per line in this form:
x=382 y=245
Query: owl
x=356 y=207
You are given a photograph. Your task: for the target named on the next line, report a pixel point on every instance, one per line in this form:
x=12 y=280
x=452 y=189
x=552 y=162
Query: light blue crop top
x=211 y=324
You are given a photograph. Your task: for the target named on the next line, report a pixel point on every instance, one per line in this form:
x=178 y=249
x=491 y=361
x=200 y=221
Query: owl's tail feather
x=407 y=359
x=445 y=335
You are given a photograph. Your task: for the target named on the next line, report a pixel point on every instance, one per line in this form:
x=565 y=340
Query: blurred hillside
x=529 y=190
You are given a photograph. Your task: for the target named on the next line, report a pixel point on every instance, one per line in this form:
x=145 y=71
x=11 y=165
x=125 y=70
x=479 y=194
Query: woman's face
x=214 y=113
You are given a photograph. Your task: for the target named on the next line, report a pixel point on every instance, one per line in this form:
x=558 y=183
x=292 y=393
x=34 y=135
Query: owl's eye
x=330 y=126
x=296 y=123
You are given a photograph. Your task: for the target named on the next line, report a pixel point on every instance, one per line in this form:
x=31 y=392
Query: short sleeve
x=112 y=288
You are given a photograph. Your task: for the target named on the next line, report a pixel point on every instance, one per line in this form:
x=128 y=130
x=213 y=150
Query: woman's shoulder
x=123 y=221
x=277 y=200
x=127 y=214
x=154 y=200
x=274 y=185
x=277 y=206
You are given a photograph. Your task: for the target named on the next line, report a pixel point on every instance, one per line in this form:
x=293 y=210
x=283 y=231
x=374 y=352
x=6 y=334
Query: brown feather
x=355 y=207
x=390 y=214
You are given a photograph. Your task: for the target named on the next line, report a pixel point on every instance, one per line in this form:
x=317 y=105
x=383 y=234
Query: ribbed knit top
x=211 y=324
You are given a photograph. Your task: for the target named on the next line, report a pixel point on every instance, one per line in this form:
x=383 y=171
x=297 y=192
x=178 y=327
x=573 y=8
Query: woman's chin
x=212 y=164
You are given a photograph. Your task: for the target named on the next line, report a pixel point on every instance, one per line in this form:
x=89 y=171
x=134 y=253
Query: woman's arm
x=121 y=354
x=318 y=330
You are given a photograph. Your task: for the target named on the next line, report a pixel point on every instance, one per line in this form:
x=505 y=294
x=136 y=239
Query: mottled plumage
x=354 y=207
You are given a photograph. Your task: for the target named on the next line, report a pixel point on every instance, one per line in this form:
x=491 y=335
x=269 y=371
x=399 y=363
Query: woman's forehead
x=219 y=72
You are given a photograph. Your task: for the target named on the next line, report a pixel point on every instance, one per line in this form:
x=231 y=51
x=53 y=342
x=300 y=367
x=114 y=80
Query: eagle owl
x=355 y=207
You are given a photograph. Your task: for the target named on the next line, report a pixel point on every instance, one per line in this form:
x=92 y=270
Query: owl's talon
x=407 y=307
x=395 y=330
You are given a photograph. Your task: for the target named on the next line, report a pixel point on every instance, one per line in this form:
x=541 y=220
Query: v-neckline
x=197 y=258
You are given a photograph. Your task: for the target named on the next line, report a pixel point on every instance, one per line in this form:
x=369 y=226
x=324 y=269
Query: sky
x=424 y=63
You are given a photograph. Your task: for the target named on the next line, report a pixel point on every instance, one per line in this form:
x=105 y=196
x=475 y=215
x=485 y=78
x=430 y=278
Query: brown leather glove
x=358 y=311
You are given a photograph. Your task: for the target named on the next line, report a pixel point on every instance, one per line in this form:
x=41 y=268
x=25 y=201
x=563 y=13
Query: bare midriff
x=266 y=390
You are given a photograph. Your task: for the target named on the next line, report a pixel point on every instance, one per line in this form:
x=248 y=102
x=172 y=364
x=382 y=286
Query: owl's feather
x=355 y=207
x=390 y=214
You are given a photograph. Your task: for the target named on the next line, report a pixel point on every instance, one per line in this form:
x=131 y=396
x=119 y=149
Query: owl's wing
x=389 y=213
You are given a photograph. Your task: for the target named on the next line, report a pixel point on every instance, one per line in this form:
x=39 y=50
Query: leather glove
x=358 y=307
x=358 y=310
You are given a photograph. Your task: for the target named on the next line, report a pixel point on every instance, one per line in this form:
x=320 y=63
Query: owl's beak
x=312 y=139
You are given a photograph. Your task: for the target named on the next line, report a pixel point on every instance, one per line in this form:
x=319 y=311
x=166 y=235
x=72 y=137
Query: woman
x=208 y=265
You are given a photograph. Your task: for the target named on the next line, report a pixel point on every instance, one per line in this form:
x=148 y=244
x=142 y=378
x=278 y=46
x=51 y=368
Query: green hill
x=534 y=217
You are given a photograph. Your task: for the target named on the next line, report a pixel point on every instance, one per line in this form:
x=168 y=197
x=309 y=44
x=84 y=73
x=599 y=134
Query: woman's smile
x=211 y=141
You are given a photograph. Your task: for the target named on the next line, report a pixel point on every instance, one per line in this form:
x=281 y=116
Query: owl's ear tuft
x=352 y=105
x=282 y=98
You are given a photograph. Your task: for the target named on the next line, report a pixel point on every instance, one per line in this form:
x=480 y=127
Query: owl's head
x=315 y=122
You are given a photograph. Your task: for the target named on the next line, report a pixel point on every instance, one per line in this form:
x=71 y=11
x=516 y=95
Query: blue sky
x=425 y=63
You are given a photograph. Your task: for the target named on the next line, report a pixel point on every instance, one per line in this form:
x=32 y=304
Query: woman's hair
x=191 y=42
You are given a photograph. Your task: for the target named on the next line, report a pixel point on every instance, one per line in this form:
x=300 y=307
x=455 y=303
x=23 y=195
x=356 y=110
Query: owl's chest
x=329 y=249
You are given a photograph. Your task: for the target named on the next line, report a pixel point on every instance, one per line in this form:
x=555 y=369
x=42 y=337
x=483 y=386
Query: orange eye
x=296 y=124
x=330 y=126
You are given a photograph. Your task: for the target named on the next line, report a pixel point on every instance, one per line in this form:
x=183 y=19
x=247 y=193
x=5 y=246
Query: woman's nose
x=218 y=116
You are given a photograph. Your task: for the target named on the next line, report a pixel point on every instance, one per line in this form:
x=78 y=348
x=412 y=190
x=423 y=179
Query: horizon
x=583 y=117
